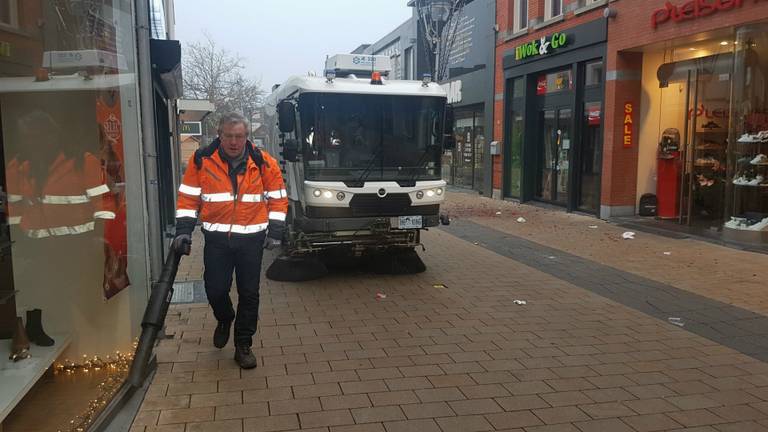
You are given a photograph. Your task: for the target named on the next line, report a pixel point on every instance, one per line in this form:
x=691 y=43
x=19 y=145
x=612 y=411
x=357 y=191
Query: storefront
x=701 y=117
x=554 y=118
x=470 y=92
x=74 y=210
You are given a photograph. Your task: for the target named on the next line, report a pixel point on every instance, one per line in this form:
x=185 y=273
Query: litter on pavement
x=593 y=227
x=629 y=235
x=520 y=302
x=381 y=296
x=676 y=321
x=667 y=253
x=521 y=220
x=439 y=286
x=498 y=213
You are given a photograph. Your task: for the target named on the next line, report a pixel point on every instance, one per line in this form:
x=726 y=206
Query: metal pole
x=147 y=118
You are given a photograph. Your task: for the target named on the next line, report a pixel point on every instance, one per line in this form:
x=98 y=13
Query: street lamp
x=436 y=13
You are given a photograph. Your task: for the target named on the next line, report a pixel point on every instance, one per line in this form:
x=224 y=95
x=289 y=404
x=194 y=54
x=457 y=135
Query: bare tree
x=439 y=20
x=217 y=75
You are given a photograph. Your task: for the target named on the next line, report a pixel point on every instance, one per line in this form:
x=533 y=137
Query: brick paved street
x=449 y=350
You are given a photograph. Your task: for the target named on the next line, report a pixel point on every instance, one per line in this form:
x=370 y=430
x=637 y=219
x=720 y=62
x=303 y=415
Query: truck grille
x=373 y=205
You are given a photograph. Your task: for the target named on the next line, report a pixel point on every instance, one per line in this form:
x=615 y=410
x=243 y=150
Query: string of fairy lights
x=116 y=367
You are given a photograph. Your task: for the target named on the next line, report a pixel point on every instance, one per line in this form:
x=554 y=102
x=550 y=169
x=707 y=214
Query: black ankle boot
x=35 y=328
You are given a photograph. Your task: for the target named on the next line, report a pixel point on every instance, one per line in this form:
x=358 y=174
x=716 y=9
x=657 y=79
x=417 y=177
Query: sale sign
x=628 y=125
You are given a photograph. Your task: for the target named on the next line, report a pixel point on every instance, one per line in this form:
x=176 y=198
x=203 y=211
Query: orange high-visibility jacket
x=206 y=193
x=65 y=202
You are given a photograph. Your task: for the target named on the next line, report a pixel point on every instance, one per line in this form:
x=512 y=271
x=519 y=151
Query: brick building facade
x=661 y=60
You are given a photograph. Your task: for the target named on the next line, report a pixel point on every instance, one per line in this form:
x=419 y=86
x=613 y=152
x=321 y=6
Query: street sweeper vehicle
x=361 y=157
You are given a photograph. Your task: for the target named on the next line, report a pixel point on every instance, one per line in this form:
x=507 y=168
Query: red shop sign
x=694 y=9
x=628 y=125
x=593 y=116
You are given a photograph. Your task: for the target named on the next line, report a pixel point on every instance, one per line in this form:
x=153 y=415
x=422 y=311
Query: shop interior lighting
x=724 y=43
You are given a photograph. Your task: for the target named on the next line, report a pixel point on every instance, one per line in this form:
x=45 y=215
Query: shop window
x=9 y=13
x=520 y=15
x=747 y=200
x=516 y=130
x=553 y=9
x=62 y=140
x=594 y=73
x=554 y=82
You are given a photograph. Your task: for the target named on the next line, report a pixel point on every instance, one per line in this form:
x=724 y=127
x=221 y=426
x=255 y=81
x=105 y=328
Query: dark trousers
x=222 y=255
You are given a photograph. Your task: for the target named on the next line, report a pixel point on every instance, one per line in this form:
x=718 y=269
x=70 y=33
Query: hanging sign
x=191 y=128
x=628 y=125
x=542 y=47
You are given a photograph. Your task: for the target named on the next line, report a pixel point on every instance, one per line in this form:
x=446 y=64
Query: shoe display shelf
x=18 y=378
x=750 y=190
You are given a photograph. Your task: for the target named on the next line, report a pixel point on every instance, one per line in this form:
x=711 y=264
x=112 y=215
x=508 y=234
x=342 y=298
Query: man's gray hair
x=233 y=118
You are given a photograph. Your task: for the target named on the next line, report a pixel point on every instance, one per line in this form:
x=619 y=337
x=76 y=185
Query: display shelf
x=18 y=378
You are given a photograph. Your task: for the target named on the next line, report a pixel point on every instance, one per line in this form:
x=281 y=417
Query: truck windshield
x=354 y=138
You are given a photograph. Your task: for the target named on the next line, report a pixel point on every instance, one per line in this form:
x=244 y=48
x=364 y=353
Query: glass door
x=590 y=158
x=554 y=155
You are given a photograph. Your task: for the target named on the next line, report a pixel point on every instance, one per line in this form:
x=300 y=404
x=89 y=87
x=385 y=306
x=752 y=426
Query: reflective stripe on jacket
x=206 y=193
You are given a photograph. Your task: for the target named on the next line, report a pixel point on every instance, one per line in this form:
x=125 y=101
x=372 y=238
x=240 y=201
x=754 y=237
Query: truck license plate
x=410 y=222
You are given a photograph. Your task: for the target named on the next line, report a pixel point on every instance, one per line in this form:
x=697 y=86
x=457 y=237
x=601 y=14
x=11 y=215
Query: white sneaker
x=756 y=181
x=759 y=160
x=746 y=138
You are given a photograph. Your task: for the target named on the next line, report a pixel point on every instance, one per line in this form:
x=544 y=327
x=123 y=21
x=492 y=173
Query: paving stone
x=464 y=424
x=427 y=410
x=345 y=401
x=258 y=409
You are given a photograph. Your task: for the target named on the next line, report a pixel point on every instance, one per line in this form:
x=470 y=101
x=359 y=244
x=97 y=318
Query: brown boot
x=20 y=344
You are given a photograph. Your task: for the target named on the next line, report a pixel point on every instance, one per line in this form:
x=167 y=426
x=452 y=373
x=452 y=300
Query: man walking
x=237 y=192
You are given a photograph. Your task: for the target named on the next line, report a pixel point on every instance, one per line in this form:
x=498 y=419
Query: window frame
x=13 y=12
x=548 y=6
x=519 y=23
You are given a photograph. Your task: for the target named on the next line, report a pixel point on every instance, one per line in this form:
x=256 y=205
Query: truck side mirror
x=291 y=150
x=286 y=116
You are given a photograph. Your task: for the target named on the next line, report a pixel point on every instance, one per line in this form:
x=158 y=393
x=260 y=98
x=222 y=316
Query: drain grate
x=189 y=292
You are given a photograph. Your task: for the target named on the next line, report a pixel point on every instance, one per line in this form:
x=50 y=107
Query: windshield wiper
x=422 y=161
x=360 y=182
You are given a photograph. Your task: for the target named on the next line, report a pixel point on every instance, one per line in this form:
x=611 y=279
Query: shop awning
x=720 y=64
x=166 y=62
x=193 y=109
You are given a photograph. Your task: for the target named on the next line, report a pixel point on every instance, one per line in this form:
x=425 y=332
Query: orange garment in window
x=18 y=193
x=68 y=199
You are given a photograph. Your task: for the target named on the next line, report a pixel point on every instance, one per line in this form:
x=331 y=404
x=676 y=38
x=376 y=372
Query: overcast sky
x=279 y=38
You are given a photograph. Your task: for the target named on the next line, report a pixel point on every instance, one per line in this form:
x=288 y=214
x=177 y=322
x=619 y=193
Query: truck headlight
x=317 y=193
x=327 y=194
x=420 y=194
x=430 y=193
x=439 y=191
